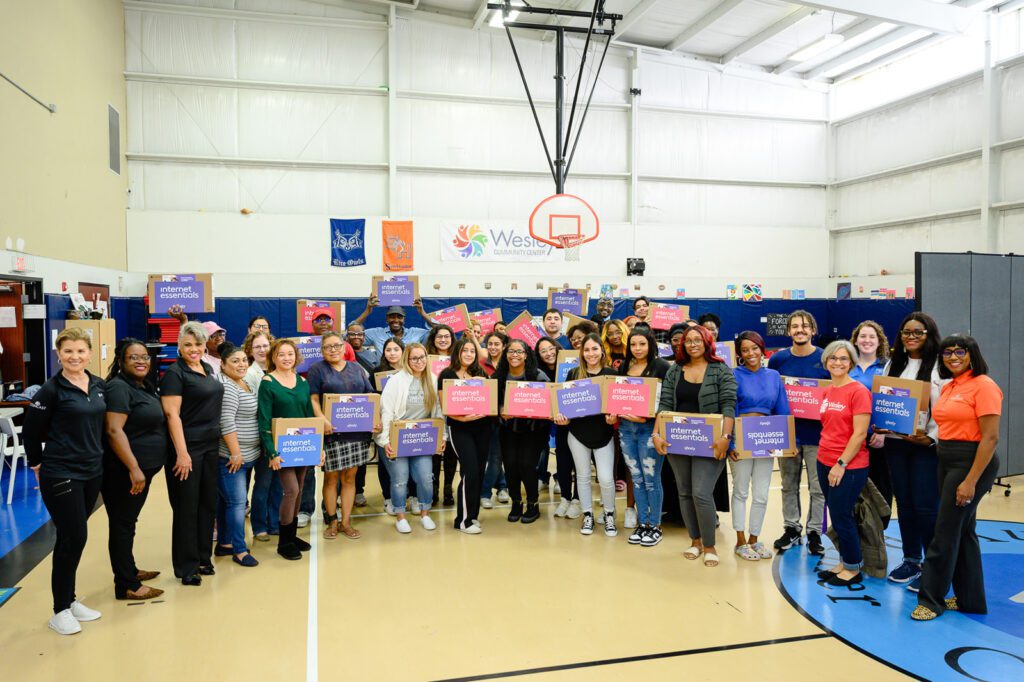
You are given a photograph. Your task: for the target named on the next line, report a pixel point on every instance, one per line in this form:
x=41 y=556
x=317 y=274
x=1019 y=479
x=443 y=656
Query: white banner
x=468 y=242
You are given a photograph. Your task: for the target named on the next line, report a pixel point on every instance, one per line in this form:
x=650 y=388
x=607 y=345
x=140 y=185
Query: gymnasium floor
x=534 y=602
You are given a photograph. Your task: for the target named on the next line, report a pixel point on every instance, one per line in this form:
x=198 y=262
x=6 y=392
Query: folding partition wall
x=983 y=295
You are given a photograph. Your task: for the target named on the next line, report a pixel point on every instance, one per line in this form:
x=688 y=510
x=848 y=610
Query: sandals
x=693 y=553
x=710 y=559
x=923 y=613
x=351 y=533
x=747 y=552
x=951 y=604
x=331 y=530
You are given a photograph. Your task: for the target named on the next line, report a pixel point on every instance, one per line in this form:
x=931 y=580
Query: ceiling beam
x=480 y=16
x=858 y=52
x=889 y=58
x=634 y=15
x=923 y=14
x=716 y=13
x=767 y=34
x=852 y=31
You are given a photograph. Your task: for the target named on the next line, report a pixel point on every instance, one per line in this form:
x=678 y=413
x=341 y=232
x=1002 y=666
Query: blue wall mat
x=57 y=307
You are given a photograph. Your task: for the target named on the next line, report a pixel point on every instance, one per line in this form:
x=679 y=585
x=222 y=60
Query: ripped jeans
x=645 y=466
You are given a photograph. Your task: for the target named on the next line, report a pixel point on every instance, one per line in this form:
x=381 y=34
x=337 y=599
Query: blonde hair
x=621 y=326
x=194 y=329
x=275 y=347
x=74 y=334
x=425 y=379
x=883 y=343
x=251 y=339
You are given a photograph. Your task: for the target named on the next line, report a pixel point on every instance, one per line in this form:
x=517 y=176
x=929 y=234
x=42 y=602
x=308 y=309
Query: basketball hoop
x=570 y=244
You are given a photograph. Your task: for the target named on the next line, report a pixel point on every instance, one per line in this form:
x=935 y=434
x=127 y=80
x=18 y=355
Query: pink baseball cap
x=212 y=328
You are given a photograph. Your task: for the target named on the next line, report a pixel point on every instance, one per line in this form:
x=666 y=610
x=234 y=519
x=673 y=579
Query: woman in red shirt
x=843 y=457
x=967 y=414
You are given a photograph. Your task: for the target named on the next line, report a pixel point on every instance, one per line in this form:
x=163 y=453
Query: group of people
x=209 y=424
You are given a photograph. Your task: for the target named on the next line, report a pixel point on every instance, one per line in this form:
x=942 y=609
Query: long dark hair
x=431 y=348
x=683 y=357
x=473 y=370
x=536 y=352
x=581 y=371
x=117 y=366
x=929 y=351
x=652 y=352
x=383 y=365
x=978 y=364
x=530 y=368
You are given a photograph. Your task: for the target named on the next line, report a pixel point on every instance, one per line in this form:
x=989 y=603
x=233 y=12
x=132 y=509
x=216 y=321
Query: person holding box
x=522 y=438
x=409 y=394
x=759 y=391
x=390 y=361
x=843 y=457
x=191 y=397
x=873 y=349
x=344 y=452
x=238 y=451
x=967 y=413
x=469 y=438
x=645 y=465
x=494 y=475
x=266 y=487
x=592 y=436
x=802 y=359
x=439 y=342
x=546 y=351
x=66 y=416
x=699 y=382
x=395 y=316
x=284 y=394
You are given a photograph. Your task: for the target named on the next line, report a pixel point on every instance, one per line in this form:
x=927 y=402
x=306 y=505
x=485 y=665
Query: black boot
x=300 y=544
x=516 y=512
x=286 y=542
x=449 y=498
x=532 y=513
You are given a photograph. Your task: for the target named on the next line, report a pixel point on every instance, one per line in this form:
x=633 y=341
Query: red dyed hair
x=682 y=357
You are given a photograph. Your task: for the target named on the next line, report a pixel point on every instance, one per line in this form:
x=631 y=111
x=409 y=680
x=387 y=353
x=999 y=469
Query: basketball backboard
x=564 y=215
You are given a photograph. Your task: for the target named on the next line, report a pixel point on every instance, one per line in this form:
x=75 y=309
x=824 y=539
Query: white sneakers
x=67 y=621
x=428 y=523
x=389 y=508
x=630 y=521
x=473 y=529
x=575 y=510
x=486 y=503
x=302 y=519
x=414 y=505
x=562 y=509
x=402 y=526
x=558 y=488
x=503 y=496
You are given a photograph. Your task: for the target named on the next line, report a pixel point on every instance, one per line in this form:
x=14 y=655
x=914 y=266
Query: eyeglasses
x=216 y=334
x=958 y=353
x=260 y=327
x=418 y=358
x=517 y=352
x=839 y=360
x=914 y=333
x=359 y=334
x=139 y=358
x=333 y=347
x=694 y=342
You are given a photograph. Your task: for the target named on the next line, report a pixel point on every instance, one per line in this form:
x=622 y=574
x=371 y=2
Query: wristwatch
x=841 y=463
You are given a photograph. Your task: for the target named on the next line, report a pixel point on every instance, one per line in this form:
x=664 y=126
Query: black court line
x=635 y=659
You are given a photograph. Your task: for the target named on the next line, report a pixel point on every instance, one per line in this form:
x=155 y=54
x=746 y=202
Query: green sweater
x=279 y=402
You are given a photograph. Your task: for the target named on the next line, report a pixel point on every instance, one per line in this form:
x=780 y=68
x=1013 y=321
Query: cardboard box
x=765 y=436
x=523 y=328
x=527 y=399
x=463 y=397
x=193 y=292
x=487 y=319
x=665 y=350
x=689 y=434
x=299 y=442
x=568 y=300
x=437 y=364
x=307 y=310
x=634 y=396
x=727 y=351
x=352 y=413
x=415 y=437
x=571 y=320
x=380 y=379
x=103 y=334
x=900 y=405
x=310 y=350
x=567 y=361
x=396 y=289
x=663 y=315
x=456 y=317
x=805 y=396
x=581 y=398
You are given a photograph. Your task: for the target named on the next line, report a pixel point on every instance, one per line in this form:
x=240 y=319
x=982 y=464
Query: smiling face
x=751 y=354
x=393 y=354
x=577 y=339
x=516 y=355
x=839 y=363
x=417 y=361
x=285 y=358
x=355 y=335
x=136 y=361
x=191 y=349
x=639 y=347
x=467 y=356
x=548 y=353
x=74 y=355
x=867 y=341
x=235 y=365
x=593 y=355
x=614 y=335
x=215 y=340
x=956 y=359
x=494 y=349
x=395 y=322
x=260 y=324
x=260 y=348
x=333 y=348
x=641 y=309
x=800 y=330
x=605 y=308
x=694 y=344
x=443 y=340
x=913 y=334
x=553 y=324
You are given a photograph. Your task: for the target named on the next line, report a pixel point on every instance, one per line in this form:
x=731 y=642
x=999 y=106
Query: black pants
x=449 y=458
x=471 y=446
x=954 y=556
x=194 y=503
x=123 y=510
x=565 y=465
x=360 y=479
x=519 y=453
x=69 y=502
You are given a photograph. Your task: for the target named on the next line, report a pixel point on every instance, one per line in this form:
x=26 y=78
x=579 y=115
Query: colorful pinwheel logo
x=470 y=241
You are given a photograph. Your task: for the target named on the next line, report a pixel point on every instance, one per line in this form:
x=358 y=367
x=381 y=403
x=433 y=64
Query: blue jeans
x=645 y=466
x=231 y=505
x=840 y=501
x=266 y=499
x=422 y=470
x=494 y=475
x=914 y=472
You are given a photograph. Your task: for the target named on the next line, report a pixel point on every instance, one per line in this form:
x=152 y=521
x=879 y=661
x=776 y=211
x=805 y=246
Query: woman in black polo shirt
x=136 y=449
x=191 y=396
x=67 y=415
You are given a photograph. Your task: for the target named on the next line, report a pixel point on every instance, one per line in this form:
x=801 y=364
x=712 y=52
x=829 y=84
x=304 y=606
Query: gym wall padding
x=983 y=295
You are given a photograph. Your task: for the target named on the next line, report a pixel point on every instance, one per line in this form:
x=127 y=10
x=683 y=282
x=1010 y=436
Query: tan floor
x=439 y=605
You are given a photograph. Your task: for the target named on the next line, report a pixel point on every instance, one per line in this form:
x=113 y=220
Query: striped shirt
x=238 y=416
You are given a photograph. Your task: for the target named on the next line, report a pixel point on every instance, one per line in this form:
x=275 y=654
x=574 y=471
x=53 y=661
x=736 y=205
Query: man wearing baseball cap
x=375 y=337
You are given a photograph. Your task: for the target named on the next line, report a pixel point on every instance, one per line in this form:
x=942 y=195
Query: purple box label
x=765 y=436
x=569 y=301
x=395 y=290
x=299 y=447
x=183 y=290
x=691 y=436
x=665 y=350
x=311 y=352
x=352 y=413
x=418 y=438
x=580 y=399
x=565 y=367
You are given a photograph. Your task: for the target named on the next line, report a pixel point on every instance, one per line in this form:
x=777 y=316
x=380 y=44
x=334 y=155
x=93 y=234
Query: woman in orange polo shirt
x=967 y=414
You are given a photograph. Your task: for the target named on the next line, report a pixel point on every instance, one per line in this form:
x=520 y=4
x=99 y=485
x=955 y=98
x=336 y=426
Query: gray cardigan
x=717 y=393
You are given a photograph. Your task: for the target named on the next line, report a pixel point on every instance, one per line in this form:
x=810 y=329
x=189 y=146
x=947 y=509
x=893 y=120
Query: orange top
x=962 y=402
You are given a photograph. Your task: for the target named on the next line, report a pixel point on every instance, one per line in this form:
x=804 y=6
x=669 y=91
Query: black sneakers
x=637 y=536
x=588 y=524
x=516 y=512
x=814 y=545
x=651 y=537
x=790 y=537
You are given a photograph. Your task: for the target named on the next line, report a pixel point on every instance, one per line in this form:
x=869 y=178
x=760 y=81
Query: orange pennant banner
x=397 y=245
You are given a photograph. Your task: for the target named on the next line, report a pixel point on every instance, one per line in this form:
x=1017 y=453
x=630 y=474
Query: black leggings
x=449 y=458
x=194 y=502
x=123 y=510
x=69 y=502
x=520 y=451
x=292 y=480
x=471 y=446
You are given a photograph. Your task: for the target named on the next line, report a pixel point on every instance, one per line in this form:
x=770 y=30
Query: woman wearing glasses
x=266 y=488
x=967 y=414
x=440 y=341
x=843 y=457
x=912 y=462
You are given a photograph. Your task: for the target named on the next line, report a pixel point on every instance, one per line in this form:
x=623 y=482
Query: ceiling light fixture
x=826 y=42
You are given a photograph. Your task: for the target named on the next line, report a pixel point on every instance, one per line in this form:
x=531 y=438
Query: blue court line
x=26 y=513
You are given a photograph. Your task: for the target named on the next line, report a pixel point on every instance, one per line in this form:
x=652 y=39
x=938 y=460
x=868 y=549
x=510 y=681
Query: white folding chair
x=8 y=431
